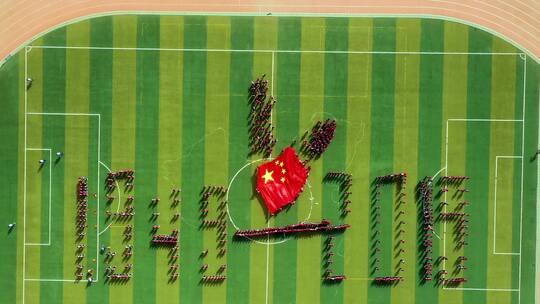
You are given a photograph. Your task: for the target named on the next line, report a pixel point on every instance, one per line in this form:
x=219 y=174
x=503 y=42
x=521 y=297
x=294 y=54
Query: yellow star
x=283 y=179
x=277 y=162
x=268 y=176
x=281 y=164
x=283 y=171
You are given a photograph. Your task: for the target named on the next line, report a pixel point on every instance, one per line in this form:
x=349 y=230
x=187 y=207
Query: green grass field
x=167 y=96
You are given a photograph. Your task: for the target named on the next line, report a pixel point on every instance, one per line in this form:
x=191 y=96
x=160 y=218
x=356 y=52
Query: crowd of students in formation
x=262 y=141
x=459 y=217
x=324 y=225
x=319 y=139
x=400 y=179
x=345 y=181
x=81 y=225
x=128 y=175
x=219 y=223
x=167 y=240
x=111 y=183
x=328 y=274
x=426 y=199
x=261 y=135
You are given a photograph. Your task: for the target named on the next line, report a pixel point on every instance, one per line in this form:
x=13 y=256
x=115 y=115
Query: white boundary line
x=495 y=204
x=50 y=195
x=537 y=211
x=272 y=51
x=522 y=181
x=26 y=50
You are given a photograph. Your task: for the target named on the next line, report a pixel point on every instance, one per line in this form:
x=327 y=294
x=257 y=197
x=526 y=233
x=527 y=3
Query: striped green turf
x=170 y=134
x=146 y=152
x=240 y=72
x=9 y=132
x=54 y=94
x=478 y=136
x=100 y=88
x=310 y=109
x=430 y=130
x=382 y=145
x=335 y=102
x=123 y=145
x=285 y=119
x=178 y=117
x=193 y=137
x=454 y=98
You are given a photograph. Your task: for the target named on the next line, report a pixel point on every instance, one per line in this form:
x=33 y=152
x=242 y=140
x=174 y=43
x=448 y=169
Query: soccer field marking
x=522 y=121
x=24 y=181
x=522 y=182
x=537 y=210
x=274 y=51
x=495 y=204
x=119 y=198
x=26 y=50
x=50 y=196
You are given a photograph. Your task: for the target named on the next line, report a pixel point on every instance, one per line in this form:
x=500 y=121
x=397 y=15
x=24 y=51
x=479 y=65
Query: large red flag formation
x=281 y=180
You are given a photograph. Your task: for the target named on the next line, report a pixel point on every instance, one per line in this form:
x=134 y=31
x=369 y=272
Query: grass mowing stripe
x=335 y=107
x=170 y=145
x=308 y=256
x=358 y=158
x=100 y=83
x=285 y=120
x=516 y=193
x=20 y=249
x=76 y=160
x=32 y=216
x=478 y=140
x=381 y=153
x=406 y=149
x=53 y=136
x=265 y=33
x=241 y=70
x=285 y=117
x=193 y=141
x=54 y=83
x=9 y=135
x=454 y=95
x=430 y=130
x=146 y=153
x=528 y=249
x=217 y=139
x=124 y=82
x=502 y=143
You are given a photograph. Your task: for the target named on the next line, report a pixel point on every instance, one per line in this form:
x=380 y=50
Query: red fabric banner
x=281 y=180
